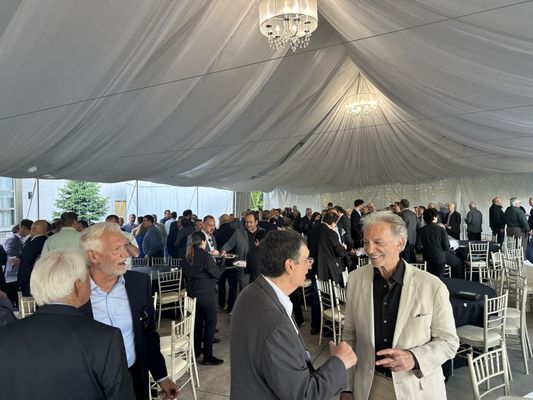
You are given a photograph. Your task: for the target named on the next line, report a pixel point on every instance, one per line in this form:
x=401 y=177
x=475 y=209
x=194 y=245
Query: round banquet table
x=467 y=312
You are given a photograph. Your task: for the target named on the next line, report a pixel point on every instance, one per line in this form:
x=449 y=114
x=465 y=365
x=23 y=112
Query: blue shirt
x=114 y=309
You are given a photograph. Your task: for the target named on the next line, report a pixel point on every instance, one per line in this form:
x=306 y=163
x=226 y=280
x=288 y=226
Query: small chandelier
x=288 y=22
x=363 y=102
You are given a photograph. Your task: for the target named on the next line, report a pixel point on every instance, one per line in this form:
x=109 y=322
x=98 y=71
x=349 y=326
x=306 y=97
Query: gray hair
x=514 y=201
x=91 y=237
x=55 y=274
x=396 y=223
x=472 y=204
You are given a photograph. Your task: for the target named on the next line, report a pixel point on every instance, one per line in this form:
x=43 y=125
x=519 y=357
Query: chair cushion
x=165 y=344
x=512 y=326
x=512 y=313
x=473 y=335
x=328 y=314
x=307 y=283
x=170 y=297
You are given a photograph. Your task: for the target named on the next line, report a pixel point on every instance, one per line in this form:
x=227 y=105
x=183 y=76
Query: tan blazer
x=425 y=326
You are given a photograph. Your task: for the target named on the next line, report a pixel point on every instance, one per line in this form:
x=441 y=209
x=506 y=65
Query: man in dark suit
x=63 y=354
x=453 y=222
x=31 y=251
x=329 y=250
x=268 y=355
x=497 y=219
x=357 y=226
x=412 y=223
x=222 y=235
x=3 y=260
x=433 y=241
x=124 y=299
x=344 y=226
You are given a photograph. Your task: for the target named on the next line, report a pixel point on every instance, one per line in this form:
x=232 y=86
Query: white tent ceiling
x=188 y=93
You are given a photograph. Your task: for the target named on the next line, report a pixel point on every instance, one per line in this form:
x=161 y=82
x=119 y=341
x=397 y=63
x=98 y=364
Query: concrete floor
x=215 y=381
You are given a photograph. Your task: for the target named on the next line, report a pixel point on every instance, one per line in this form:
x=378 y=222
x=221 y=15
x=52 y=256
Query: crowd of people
x=281 y=248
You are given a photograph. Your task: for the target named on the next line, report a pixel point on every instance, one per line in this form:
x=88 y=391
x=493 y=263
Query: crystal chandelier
x=363 y=102
x=288 y=22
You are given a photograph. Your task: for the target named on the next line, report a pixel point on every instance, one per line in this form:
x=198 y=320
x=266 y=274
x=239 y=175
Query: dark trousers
x=205 y=323
x=456 y=265
x=231 y=277
x=436 y=268
x=315 y=307
x=500 y=236
x=408 y=254
x=138 y=382
x=474 y=235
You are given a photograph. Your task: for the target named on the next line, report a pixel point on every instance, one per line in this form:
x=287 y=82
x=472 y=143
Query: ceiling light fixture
x=288 y=22
x=363 y=102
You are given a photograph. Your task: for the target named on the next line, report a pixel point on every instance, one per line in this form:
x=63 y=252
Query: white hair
x=91 y=237
x=55 y=273
x=514 y=201
x=396 y=223
x=473 y=204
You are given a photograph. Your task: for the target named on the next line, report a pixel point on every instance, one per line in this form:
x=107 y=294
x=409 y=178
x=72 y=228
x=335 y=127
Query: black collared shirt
x=386 y=303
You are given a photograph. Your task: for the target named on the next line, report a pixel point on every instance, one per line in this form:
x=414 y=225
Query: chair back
x=189 y=306
x=27 y=306
x=494 y=315
x=362 y=261
x=423 y=266
x=487 y=368
x=174 y=262
x=511 y=243
x=138 y=262
x=515 y=254
x=345 y=275
x=325 y=294
x=517 y=287
x=169 y=281
x=158 y=261
x=181 y=342
x=340 y=302
x=478 y=252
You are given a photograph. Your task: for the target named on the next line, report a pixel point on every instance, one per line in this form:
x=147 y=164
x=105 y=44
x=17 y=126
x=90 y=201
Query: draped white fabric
x=189 y=93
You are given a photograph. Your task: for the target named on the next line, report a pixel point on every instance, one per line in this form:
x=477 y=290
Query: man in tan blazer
x=398 y=320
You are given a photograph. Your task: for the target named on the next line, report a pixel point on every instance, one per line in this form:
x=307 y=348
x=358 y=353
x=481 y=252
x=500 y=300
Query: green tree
x=257 y=200
x=83 y=198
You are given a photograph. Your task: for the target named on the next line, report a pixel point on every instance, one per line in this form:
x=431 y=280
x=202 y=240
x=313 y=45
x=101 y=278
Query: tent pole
x=38 y=200
x=137 y=197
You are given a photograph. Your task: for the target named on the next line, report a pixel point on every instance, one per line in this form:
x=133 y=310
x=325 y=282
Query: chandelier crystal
x=288 y=22
x=363 y=103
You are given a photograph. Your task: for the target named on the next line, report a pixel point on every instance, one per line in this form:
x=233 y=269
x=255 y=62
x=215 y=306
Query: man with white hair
x=63 y=354
x=516 y=221
x=399 y=320
x=474 y=221
x=123 y=299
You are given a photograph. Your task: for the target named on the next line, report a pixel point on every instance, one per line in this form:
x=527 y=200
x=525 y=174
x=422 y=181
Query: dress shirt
x=168 y=223
x=284 y=300
x=114 y=309
x=66 y=238
x=386 y=304
x=210 y=243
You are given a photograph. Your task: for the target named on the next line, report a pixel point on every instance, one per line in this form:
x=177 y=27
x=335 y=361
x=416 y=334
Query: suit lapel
x=368 y=293
x=406 y=302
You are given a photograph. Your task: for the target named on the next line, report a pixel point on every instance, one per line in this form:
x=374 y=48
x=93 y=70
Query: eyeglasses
x=310 y=260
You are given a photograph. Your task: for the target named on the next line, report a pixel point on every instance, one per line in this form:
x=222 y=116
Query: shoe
x=216 y=340
x=212 y=361
x=198 y=354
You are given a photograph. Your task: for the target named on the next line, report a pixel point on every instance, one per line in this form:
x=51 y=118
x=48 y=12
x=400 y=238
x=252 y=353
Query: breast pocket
x=418 y=329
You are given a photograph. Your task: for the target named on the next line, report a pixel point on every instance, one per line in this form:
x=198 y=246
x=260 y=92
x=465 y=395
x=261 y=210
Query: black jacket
x=30 y=253
x=70 y=357
x=357 y=229
x=329 y=251
x=496 y=218
x=201 y=277
x=455 y=223
x=223 y=233
x=147 y=350
x=433 y=240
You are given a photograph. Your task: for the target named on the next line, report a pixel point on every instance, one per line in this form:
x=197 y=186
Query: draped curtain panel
x=189 y=93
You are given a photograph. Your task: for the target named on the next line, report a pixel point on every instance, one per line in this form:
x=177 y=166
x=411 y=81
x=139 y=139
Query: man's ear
x=288 y=266
x=91 y=256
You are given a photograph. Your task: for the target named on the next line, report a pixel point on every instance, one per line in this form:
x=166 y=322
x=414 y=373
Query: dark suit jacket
x=357 y=229
x=412 y=222
x=344 y=226
x=172 y=249
x=455 y=224
x=57 y=353
x=496 y=218
x=223 y=233
x=3 y=260
x=202 y=275
x=329 y=250
x=181 y=239
x=312 y=245
x=147 y=350
x=433 y=241
x=268 y=357
x=30 y=253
